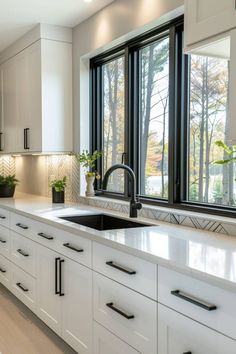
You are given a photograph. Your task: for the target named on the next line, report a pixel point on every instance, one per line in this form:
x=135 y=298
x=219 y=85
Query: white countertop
x=204 y=255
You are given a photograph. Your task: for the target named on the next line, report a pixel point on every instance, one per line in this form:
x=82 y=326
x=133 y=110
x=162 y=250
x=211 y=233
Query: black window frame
x=178 y=118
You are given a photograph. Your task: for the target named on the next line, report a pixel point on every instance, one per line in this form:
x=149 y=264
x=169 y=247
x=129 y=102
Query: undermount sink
x=103 y=222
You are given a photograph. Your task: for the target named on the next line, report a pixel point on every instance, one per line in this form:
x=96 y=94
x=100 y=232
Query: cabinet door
x=9 y=103
x=5 y=272
x=49 y=303
x=207 y=18
x=77 y=306
x=178 y=334
x=106 y=343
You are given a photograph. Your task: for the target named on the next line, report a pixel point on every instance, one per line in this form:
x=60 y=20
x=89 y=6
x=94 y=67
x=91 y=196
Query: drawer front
x=196 y=299
x=5 y=272
x=24 y=287
x=131 y=271
x=127 y=314
x=23 y=253
x=22 y=225
x=104 y=342
x=4 y=241
x=4 y=217
x=178 y=334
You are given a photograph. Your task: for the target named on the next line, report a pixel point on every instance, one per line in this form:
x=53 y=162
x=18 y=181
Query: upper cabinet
x=206 y=24
x=36 y=99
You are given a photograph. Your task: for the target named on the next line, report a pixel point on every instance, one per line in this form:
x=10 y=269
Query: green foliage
x=59 y=184
x=88 y=161
x=8 y=180
x=228 y=150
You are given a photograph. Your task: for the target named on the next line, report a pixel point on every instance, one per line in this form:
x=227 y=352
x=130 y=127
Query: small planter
x=7 y=191
x=58 y=197
x=90 y=186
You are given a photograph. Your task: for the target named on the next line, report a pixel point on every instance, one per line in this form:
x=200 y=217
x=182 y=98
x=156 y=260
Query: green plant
x=88 y=161
x=59 y=184
x=229 y=151
x=10 y=180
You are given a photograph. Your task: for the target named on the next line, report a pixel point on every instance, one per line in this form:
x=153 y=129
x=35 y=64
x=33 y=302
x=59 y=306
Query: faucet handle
x=139 y=205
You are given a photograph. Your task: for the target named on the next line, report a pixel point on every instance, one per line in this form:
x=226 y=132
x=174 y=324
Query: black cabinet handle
x=119 y=311
x=2 y=270
x=3 y=241
x=193 y=300
x=24 y=227
x=2 y=216
x=1 y=149
x=26 y=144
x=187 y=353
x=41 y=234
x=22 y=253
x=56 y=275
x=68 y=245
x=22 y=287
x=60 y=277
x=122 y=269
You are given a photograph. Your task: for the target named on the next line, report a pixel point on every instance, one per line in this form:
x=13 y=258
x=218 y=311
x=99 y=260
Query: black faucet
x=134 y=203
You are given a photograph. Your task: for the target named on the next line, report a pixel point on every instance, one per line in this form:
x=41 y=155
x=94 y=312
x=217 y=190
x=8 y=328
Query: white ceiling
x=19 y=16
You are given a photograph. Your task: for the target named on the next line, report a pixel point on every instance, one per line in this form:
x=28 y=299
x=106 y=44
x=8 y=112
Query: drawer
x=4 y=217
x=23 y=253
x=196 y=299
x=4 y=241
x=24 y=287
x=5 y=272
x=127 y=314
x=104 y=342
x=22 y=225
x=178 y=334
x=131 y=271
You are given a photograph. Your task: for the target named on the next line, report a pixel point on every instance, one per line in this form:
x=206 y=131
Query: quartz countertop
x=201 y=254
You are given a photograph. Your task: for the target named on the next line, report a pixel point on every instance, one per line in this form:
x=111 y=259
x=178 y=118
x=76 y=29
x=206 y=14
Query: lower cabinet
x=5 y=272
x=65 y=298
x=178 y=334
x=105 y=342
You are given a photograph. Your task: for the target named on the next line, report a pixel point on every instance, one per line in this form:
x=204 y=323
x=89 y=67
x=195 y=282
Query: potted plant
x=88 y=161
x=58 y=190
x=7 y=186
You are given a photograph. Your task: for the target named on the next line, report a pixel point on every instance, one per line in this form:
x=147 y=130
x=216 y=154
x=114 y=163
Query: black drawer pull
x=22 y=287
x=68 y=245
x=56 y=276
x=187 y=353
x=60 y=277
x=2 y=270
x=120 y=312
x=24 y=227
x=117 y=266
x=41 y=234
x=3 y=241
x=193 y=300
x=1 y=216
x=22 y=253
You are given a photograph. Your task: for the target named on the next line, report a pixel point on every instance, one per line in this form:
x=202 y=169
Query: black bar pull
x=24 y=227
x=193 y=300
x=122 y=269
x=2 y=270
x=60 y=277
x=22 y=253
x=68 y=245
x=26 y=144
x=2 y=217
x=1 y=149
x=119 y=311
x=22 y=287
x=187 y=353
x=3 y=241
x=57 y=292
x=41 y=234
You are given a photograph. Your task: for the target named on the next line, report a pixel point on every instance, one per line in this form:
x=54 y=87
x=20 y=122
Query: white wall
x=118 y=22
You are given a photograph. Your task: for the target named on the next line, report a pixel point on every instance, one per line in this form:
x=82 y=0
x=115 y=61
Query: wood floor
x=21 y=332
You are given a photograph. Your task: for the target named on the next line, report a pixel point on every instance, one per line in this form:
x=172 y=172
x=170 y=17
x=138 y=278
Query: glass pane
x=208 y=182
x=154 y=100
x=113 y=120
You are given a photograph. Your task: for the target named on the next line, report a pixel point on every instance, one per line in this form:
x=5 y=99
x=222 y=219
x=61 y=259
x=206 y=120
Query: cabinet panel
x=4 y=241
x=106 y=343
x=178 y=334
x=5 y=272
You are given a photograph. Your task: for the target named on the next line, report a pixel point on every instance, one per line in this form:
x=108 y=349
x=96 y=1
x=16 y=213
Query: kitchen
x=117 y=178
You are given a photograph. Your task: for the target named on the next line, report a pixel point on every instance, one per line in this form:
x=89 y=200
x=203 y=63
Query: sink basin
x=103 y=222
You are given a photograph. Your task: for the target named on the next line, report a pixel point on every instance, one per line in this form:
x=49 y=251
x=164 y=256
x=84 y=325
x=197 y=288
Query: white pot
x=90 y=186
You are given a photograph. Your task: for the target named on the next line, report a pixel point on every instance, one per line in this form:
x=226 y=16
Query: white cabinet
x=104 y=342
x=178 y=334
x=64 y=290
x=207 y=18
x=5 y=272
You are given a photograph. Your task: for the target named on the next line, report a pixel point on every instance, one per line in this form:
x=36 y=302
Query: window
x=161 y=112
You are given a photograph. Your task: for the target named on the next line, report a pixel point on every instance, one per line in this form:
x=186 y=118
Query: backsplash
x=7 y=165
